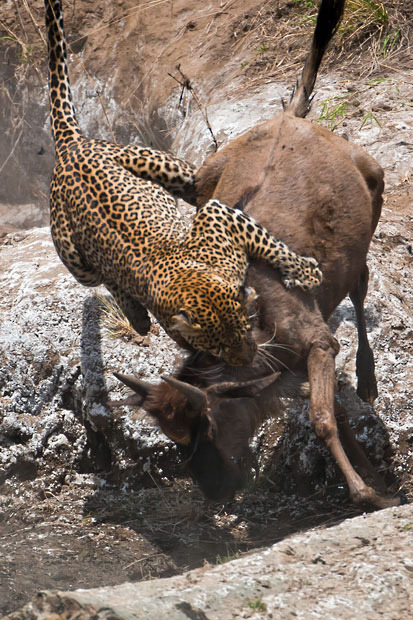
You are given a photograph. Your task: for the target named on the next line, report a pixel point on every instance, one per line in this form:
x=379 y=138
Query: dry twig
x=185 y=83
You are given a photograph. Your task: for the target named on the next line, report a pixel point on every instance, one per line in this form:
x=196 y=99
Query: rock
x=360 y=568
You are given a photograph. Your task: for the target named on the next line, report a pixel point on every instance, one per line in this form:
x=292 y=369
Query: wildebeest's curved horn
x=140 y=387
x=196 y=396
x=252 y=387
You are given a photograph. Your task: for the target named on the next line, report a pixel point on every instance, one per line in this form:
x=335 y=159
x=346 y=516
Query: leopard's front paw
x=304 y=273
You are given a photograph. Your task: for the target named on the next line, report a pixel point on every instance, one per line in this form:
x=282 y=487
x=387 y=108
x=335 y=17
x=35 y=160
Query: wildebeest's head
x=212 y=426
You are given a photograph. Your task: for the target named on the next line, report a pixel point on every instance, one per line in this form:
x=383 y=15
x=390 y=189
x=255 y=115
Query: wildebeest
x=322 y=195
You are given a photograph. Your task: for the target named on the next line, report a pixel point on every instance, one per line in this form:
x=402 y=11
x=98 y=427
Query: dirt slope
x=124 y=53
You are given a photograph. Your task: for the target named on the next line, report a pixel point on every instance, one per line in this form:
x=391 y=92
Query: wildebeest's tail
x=328 y=19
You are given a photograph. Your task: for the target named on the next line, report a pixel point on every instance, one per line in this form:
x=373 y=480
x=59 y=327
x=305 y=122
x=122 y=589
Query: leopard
x=114 y=220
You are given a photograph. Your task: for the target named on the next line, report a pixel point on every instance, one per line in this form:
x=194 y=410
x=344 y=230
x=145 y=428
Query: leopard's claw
x=305 y=275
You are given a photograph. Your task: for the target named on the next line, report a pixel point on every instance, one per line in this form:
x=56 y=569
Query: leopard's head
x=212 y=315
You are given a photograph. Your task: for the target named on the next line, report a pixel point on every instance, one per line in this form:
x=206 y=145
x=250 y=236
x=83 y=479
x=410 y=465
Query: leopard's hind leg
x=65 y=243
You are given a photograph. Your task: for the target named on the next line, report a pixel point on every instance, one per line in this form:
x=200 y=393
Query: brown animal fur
x=322 y=195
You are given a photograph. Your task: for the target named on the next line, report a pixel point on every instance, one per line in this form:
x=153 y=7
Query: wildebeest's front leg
x=321 y=371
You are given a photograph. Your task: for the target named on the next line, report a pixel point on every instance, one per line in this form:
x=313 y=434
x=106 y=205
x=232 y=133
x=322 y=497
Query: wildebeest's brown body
x=308 y=184
x=319 y=193
x=322 y=195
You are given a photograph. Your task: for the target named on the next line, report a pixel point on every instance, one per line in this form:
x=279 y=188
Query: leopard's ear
x=182 y=324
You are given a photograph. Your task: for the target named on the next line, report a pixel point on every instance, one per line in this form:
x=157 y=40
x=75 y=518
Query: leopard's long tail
x=62 y=111
x=328 y=19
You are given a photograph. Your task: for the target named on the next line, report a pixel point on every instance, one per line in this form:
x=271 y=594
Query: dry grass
x=24 y=45
x=115 y=322
x=379 y=29
x=25 y=38
x=178 y=517
x=277 y=36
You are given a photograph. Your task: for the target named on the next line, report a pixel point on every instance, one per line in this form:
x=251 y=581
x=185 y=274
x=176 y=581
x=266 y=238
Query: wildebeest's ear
x=182 y=324
x=241 y=389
